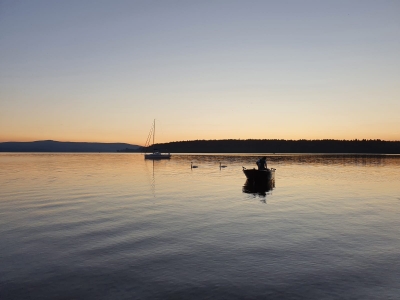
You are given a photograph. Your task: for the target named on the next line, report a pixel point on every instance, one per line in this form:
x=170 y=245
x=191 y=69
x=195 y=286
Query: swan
x=191 y=165
x=221 y=166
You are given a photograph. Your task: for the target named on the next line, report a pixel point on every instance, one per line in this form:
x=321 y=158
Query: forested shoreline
x=277 y=146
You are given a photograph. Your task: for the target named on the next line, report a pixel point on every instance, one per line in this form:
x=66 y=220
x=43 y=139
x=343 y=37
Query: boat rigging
x=156 y=154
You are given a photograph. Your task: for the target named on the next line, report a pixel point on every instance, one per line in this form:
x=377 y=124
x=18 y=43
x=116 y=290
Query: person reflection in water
x=262 y=163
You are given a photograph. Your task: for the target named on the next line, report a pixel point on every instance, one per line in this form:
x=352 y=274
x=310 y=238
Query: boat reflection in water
x=258 y=188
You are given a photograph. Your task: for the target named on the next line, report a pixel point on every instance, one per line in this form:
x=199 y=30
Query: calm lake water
x=116 y=226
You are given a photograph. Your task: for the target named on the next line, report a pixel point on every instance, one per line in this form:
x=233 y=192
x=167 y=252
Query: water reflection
x=249 y=160
x=152 y=179
x=335 y=159
x=258 y=188
x=72 y=218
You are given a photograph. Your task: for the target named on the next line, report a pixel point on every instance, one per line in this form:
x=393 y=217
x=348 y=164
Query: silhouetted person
x=262 y=163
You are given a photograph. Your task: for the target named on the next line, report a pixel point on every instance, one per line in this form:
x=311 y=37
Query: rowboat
x=259 y=175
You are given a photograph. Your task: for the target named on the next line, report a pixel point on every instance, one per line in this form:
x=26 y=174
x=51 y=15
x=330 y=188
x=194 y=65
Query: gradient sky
x=95 y=70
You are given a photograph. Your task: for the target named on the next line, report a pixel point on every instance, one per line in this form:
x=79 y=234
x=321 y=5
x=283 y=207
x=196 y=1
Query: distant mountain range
x=216 y=146
x=55 y=146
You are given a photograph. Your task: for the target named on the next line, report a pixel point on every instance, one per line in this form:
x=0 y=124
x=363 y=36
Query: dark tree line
x=279 y=146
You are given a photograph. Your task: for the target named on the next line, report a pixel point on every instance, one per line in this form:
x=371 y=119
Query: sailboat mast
x=156 y=154
x=154 y=132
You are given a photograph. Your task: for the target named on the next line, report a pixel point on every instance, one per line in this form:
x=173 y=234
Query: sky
x=102 y=71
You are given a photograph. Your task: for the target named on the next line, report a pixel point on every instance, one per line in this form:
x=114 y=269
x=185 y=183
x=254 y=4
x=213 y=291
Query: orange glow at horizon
x=278 y=74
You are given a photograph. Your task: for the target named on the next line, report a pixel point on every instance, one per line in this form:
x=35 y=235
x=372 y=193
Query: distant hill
x=55 y=146
x=216 y=146
x=280 y=146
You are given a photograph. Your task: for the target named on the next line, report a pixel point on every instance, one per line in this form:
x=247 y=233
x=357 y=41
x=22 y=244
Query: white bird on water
x=221 y=166
x=191 y=165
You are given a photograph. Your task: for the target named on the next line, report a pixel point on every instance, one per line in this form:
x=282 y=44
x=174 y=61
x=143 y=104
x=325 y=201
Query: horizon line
x=339 y=140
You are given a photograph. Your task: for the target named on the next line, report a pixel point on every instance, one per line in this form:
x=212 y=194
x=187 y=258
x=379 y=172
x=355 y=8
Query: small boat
x=259 y=175
x=156 y=154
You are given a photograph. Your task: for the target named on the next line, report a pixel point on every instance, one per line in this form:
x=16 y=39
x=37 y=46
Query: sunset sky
x=101 y=71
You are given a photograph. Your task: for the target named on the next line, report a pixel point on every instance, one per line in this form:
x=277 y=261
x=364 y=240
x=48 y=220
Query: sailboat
x=156 y=154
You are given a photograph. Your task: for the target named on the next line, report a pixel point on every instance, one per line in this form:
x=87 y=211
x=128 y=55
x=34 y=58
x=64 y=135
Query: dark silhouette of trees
x=280 y=146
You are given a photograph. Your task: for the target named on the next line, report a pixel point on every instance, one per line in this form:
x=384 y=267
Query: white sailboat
x=156 y=154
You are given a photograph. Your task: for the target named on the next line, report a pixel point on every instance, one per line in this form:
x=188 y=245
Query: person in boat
x=262 y=163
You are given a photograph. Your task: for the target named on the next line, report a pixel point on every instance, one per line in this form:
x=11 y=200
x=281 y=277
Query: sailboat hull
x=157 y=156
